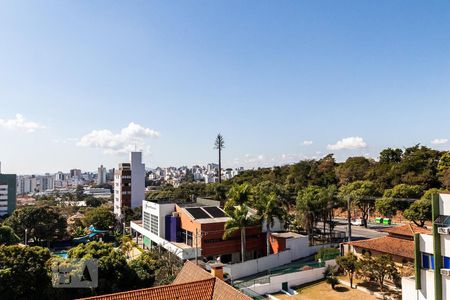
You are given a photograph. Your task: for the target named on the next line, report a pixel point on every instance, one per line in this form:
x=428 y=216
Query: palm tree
x=269 y=208
x=238 y=195
x=219 y=145
x=240 y=220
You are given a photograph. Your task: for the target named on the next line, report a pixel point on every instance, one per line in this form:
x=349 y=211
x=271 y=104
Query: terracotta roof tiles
x=198 y=290
x=192 y=283
x=406 y=230
x=388 y=245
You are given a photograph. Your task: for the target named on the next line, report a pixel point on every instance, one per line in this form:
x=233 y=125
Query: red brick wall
x=213 y=232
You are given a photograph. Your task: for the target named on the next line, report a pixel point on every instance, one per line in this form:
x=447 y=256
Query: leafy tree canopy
x=42 y=222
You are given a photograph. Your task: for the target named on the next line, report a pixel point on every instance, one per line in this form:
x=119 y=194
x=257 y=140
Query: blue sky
x=347 y=77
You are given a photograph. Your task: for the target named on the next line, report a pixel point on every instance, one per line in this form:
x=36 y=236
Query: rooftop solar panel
x=198 y=213
x=215 y=211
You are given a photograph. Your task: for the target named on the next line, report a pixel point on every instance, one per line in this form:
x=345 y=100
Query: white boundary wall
x=297 y=248
x=293 y=279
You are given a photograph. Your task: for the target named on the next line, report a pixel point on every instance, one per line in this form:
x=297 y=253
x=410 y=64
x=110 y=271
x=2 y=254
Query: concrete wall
x=160 y=210
x=293 y=280
x=137 y=179
x=427 y=287
x=254 y=266
x=444 y=204
x=445 y=245
x=297 y=248
x=426 y=243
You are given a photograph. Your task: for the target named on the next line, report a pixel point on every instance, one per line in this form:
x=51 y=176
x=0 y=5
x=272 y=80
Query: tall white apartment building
x=137 y=179
x=101 y=175
x=26 y=185
x=46 y=182
x=432 y=257
x=129 y=184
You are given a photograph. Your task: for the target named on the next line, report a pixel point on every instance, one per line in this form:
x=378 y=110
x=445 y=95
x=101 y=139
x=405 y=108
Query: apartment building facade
x=432 y=257
x=7 y=194
x=101 y=175
x=129 y=184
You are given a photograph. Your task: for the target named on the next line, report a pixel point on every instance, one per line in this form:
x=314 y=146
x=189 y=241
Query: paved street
x=359 y=232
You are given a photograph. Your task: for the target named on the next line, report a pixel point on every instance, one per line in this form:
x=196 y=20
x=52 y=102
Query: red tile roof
x=192 y=283
x=407 y=230
x=388 y=245
x=222 y=291
x=198 y=290
x=191 y=272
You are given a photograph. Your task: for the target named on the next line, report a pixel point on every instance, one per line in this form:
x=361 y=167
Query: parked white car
x=357 y=222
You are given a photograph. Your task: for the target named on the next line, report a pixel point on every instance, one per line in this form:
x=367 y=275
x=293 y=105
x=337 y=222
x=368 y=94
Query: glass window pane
x=425 y=261
x=446 y=262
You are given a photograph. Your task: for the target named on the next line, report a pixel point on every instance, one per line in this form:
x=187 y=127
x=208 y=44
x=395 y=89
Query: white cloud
x=19 y=122
x=439 y=141
x=134 y=136
x=307 y=143
x=350 y=143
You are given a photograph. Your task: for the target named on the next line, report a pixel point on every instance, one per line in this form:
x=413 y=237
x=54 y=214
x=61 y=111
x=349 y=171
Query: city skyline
x=82 y=84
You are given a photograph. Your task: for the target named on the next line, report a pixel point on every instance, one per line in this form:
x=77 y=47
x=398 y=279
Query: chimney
x=217 y=270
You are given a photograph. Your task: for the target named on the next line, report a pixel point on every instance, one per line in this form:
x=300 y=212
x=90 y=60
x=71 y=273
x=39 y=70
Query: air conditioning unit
x=443 y=230
x=445 y=272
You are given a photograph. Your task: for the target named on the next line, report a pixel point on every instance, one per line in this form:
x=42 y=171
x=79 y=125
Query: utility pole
x=197 y=236
x=196 y=246
x=349 y=220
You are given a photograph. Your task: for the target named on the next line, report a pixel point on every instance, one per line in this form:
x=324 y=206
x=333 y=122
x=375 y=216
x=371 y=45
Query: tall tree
x=219 y=145
x=42 y=222
x=397 y=198
x=269 y=209
x=349 y=263
x=240 y=220
x=379 y=268
x=100 y=217
x=114 y=272
x=362 y=194
x=7 y=236
x=353 y=169
x=311 y=203
x=23 y=272
x=420 y=211
x=238 y=195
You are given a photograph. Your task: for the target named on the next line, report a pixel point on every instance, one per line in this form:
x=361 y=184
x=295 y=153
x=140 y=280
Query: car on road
x=357 y=222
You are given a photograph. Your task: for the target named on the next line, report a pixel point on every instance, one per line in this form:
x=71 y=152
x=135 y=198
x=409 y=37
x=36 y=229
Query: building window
x=186 y=237
x=446 y=262
x=154 y=222
x=147 y=224
x=427 y=261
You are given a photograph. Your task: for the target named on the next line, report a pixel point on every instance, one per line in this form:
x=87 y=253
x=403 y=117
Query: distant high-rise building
x=101 y=175
x=122 y=188
x=7 y=193
x=75 y=173
x=110 y=174
x=129 y=184
x=45 y=183
x=137 y=179
x=26 y=185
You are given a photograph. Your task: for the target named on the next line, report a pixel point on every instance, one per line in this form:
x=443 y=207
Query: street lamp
x=26 y=236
